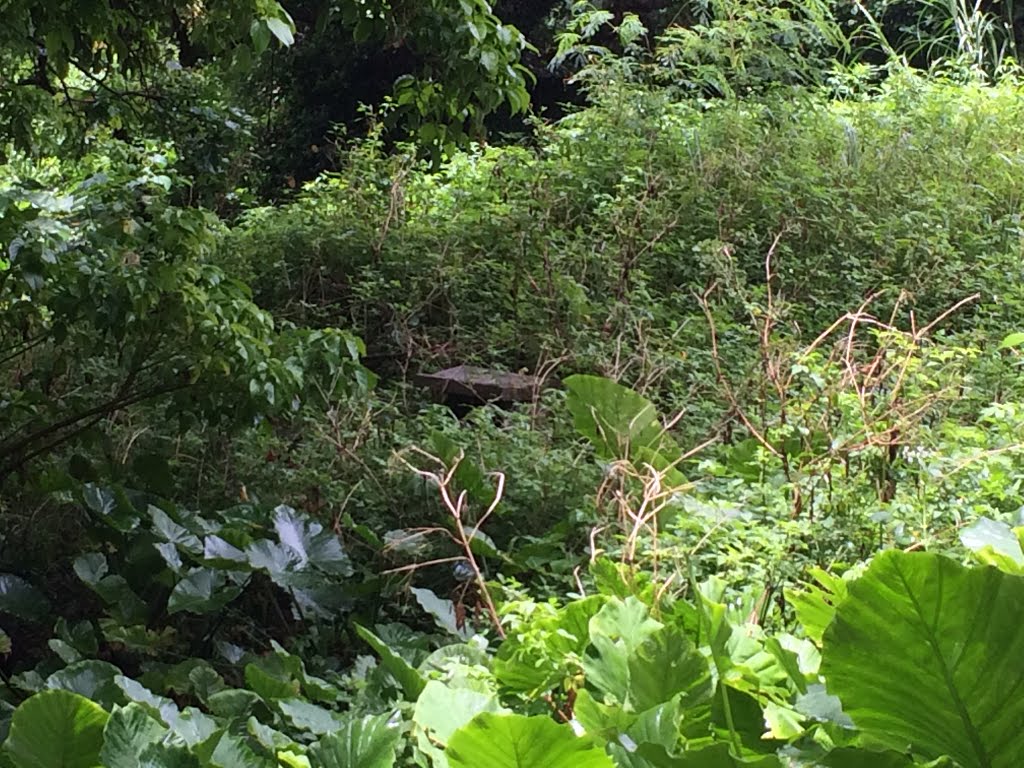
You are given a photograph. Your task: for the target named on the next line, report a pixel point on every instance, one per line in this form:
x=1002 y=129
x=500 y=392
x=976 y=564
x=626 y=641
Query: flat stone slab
x=481 y=384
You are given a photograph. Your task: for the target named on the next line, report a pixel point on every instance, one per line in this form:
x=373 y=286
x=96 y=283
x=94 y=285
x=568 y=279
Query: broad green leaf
x=234 y=752
x=851 y=757
x=234 y=703
x=173 y=533
x=281 y=30
x=129 y=731
x=306 y=563
x=665 y=665
x=95 y=680
x=193 y=726
x=111 y=506
x=753 y=667
x=994 y=543
x=408 y=678
x=127 y=607
x=815 y=605
x=443 y=612
x=204 y=681
x=270 y=556
x=1013 y=340
x=538 y=658
x=783 y=722
x=516 y=741
x=56 y=729
x=171 y=556
x=165 y=756
x=604 y=722
x=614 y=418
x=316 y=595
x=219 y=553
x=268 y=737
x=798 y=657
x=158 y=706
x=927 y=653
x=21 y=599
x=663 y=460
x=664 y=724
x=309 y=717
x=367 y=742
x=283 y=663
x=137 y=637
x=290 y=759
x=202 y=590
x=616 y=632
x=81 y=636
x=714 y=756
x=818 y=704
x=271 y=687
x=309 y=543
x=469 y=476
x=260 y=34
x=441 y=710
x=742 y=725
x=454 y=659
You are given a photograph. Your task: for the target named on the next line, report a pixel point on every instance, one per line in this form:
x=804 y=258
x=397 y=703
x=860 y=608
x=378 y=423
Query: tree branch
x=12 y=451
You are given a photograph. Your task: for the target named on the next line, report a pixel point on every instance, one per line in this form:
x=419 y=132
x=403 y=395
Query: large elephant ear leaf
x=516 y=741
x=616 y=632
x=21 y=599
x=56 y=728
x=614 y=418
x=927 y=653
x=367 y=742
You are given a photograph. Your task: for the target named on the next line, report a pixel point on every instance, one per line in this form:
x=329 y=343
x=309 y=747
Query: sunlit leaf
x=56 y=729
x=516 y=741
x=281 y=30
x=441 y=710
x=613 y=417
x=1013 y=340
x=616 y=633
x=994 y=542
x=927 y=653
x=309 y=717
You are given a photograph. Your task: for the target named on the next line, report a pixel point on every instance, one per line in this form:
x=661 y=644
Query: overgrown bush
x=595 y=245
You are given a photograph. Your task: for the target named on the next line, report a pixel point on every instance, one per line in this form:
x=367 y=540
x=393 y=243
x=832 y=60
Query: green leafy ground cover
x=768 y=510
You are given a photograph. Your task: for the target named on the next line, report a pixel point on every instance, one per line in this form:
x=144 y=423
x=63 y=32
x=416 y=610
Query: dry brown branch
x=456 y=507
x=736 y=409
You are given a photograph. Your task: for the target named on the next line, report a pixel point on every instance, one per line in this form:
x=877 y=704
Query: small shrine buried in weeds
x=466 y=386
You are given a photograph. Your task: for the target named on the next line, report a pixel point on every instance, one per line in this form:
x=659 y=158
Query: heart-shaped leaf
x=927 y=653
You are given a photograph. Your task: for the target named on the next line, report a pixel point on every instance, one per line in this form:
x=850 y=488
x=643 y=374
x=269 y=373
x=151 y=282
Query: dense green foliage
x=764 y=507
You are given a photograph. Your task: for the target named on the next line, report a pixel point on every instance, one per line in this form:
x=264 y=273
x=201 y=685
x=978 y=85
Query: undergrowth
x=765 y=508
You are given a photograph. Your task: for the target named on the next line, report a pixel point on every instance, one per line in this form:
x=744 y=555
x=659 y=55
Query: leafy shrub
x=110 y=300
x=651 y=681
x=590 y=248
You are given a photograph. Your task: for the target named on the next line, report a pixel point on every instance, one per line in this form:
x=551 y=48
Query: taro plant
x=914 y=659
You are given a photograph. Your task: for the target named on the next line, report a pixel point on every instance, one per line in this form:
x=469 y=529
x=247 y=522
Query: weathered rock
x=469 y=384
